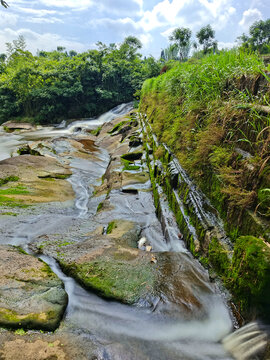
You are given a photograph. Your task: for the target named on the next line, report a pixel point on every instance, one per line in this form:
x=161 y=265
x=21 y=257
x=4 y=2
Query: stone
x=12 y=126
x=32 y=296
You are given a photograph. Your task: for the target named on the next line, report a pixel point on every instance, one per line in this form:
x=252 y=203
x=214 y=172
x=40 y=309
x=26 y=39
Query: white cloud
x=226 y=45
x=43 y=20
x=8 y=19
x=249 y=17
x=72 y=4
x=162 y=14
x=37 y=12
x=34 y=40
x=146 y=39
x=123 y=25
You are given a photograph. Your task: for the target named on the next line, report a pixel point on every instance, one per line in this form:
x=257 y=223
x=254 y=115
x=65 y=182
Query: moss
x=8 y=213
x=47 y=270
x=40 y=321
x=218 y=257
x=18 y=190
x=115 y=278
x=100 y=206
x=159 y=152
x=128 y=165
x=20 y=250
x=96 y=131
x=249 y=276
x=118 y=126
x=11 y=202
x=112 y=225
x=8 y=179
x=26 y=150
x=20 y=332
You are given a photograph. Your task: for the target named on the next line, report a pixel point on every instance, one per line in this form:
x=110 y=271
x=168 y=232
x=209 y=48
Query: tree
x=16 y=45
x=181 y=37
x=170 y=53
x=259 y=38
x=206 y=38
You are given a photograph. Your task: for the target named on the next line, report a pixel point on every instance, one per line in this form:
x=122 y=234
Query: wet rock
x=32 y=296
x=37 y=174
x=12 y=126
x=37 y=346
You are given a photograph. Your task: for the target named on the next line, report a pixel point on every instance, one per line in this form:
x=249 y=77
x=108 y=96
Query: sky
x=79 y=24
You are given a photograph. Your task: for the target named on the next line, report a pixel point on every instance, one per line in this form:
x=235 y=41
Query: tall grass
x=207 y=78
x=197 y=108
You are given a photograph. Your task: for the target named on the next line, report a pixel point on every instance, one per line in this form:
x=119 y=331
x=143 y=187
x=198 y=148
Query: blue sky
x=79 y=24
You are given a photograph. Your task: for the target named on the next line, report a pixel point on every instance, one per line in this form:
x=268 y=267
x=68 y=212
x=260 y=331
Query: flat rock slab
x=31 y=295
x=50 y=346
x=18 y=126
x=112 y=266
x=43 y=177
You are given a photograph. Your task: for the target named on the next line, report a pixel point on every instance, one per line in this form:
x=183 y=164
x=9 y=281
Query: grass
x=205 y=111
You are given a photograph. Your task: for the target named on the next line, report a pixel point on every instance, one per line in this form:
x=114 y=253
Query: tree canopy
x=59 y=84
x=259 y=37
x=206 y=38
x=181 y=37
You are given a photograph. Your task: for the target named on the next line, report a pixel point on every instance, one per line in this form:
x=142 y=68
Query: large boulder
x=32 y=296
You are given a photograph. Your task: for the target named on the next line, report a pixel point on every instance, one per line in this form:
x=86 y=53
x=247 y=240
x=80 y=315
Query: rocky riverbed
x=74 y=204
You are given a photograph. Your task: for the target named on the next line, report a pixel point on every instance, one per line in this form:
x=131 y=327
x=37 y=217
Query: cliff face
x=213 y=116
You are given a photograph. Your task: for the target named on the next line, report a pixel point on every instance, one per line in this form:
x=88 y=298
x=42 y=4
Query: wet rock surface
x=95 y=241
x=12 y=126
x=37 y=346
x=42 y=179
x=31 y=294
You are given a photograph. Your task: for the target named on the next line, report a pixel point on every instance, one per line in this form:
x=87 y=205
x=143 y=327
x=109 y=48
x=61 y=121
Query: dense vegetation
x=213 y=113
x=55 y=85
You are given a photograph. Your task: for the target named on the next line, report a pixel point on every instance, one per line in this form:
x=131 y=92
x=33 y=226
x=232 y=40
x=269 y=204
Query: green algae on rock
x=249 y=276
x=32 y=297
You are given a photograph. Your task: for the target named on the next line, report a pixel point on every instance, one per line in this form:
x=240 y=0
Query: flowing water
x=124 y=332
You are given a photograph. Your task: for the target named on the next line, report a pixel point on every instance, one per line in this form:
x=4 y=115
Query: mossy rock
x=249 y=277
x=124 y=275
x=32 y=297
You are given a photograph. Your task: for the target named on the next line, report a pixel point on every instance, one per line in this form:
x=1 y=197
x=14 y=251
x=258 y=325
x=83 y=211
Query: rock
x=12 y=126
x=49 y=346
x=42 y=177
x=38 y=350
x=32 y=296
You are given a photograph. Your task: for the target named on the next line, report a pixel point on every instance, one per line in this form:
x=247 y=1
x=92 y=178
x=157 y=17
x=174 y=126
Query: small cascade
x=248 y=342
x=89 y=124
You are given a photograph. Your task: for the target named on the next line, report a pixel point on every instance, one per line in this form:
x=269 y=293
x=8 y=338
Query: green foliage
x=259 y=37
x=56 y=85
x=199 y=117
x=170 y=53
x=206 y=38
x=181 y=37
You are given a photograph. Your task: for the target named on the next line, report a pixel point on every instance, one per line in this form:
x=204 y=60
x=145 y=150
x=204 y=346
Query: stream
x=120 y=331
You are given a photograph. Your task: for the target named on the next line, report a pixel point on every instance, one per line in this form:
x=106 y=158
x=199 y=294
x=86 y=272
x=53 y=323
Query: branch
x=3 y=3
